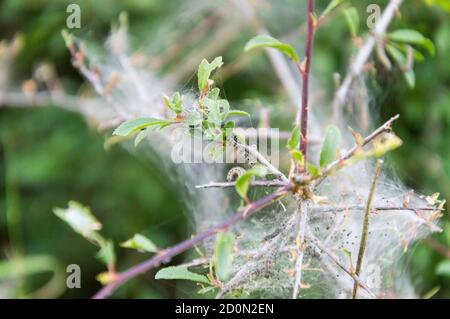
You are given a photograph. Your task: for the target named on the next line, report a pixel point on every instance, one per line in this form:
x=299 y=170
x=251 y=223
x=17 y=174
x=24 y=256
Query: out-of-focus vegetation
x=49 y=156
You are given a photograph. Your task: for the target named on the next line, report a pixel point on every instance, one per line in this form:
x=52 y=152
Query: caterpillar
x=235 y=172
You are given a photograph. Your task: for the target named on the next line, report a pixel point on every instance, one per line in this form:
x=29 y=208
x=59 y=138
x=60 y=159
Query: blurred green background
x=49 y=156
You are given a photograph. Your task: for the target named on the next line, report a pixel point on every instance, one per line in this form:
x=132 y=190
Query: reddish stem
x=304 y=72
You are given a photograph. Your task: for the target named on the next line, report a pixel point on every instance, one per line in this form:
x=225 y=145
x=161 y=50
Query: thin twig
x=302 y=119
x=261 y=159
x=415 y=210
x=264 y=133
x=94 y=78
x=383 y=128
x=338 y=209
x=315 y=243
x=365 y=229
x=253 y=183
x=300 y=244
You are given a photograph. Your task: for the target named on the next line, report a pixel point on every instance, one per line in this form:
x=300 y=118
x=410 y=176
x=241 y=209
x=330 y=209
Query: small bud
x=303 y=65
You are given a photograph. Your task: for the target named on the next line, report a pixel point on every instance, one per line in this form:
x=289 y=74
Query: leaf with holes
x=217 y=110
x=204 y=72
x=81 y=219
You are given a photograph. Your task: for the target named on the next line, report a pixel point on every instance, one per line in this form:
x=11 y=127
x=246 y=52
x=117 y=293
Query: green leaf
x=106 y=253
x=68 y=38
x=266 y=41
x=81 y=220
x=237 y=113
x=412 y=37
x=388 y=143
x=429 y=294
x=205 y=290
x=204 y=72
x=298 y=157
x=258 y=170
x=400 y=58
x=106 y=278
x=193 y=119
x=223 y=255
x=140 y=243
x=214 y=94
x=396 y=54
x=443 y=268
x=243 y=182
x=313 y=170
x=229 y=125
x=140 y=137
x=132 y=126
x=349 y=256
x=180 y=272
x=418 y=56
x=330 y=146
x=217 y=110
x=352 y=17
x=174 y=103
x=331 y=6
x=410 y=78
x=294 y=140
x=209 y=130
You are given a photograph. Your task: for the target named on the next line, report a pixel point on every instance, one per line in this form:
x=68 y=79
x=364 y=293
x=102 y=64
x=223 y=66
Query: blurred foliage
x=45 y=165
x=48 y=156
